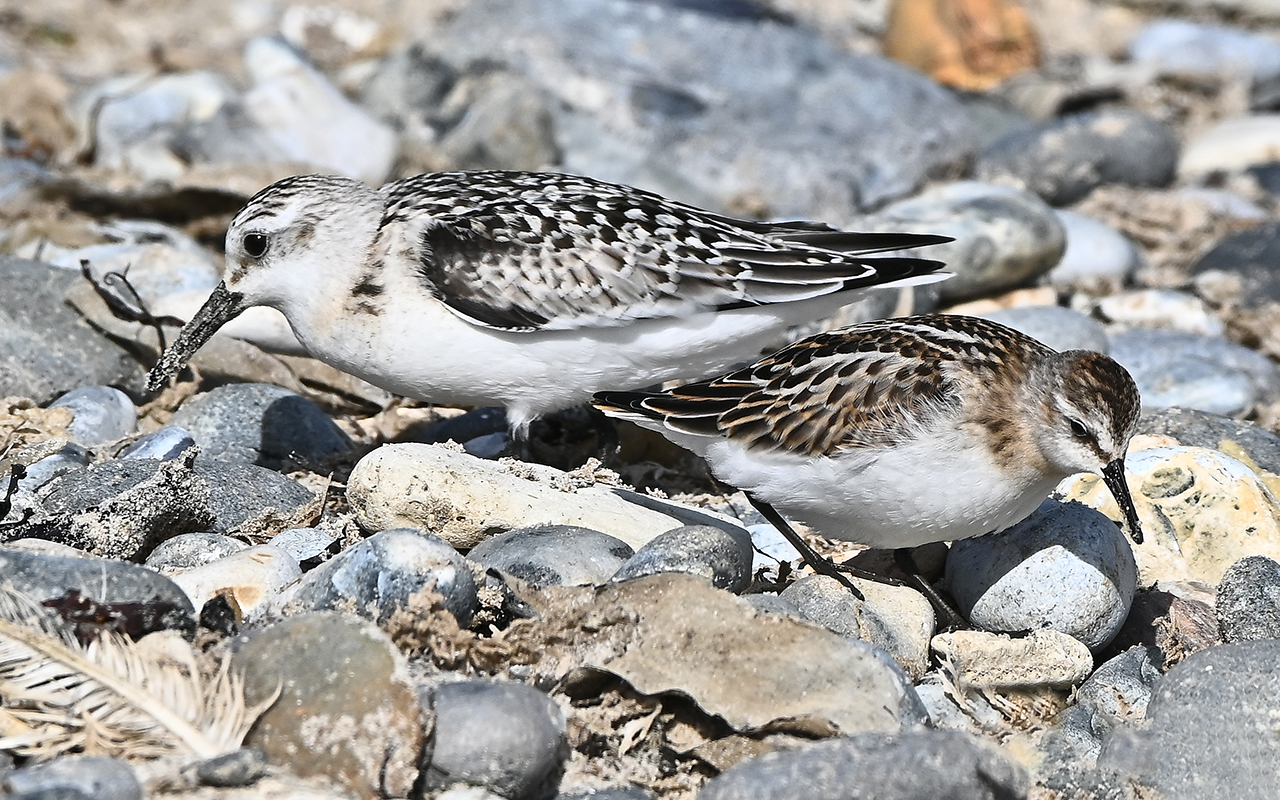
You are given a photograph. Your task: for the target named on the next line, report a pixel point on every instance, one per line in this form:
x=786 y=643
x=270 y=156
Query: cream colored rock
x=465 y=500
x=994 y=660
x=1233 y=145
x=1201 y=511
x=250 y=578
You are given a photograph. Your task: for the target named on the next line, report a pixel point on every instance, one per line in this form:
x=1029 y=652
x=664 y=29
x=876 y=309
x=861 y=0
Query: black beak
x=1113 y=474
x=221 y=307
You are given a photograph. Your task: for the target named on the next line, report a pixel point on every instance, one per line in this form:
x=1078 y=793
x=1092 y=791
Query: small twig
x=124 y=302
x=16 y=473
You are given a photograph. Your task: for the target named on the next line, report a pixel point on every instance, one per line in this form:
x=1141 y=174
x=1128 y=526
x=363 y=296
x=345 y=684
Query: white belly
x=929 y=490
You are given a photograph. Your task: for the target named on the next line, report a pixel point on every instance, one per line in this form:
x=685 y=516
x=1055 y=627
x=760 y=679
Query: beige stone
x=249 y=578
x=465 y=500
x=1201 y=511
x=994 y=660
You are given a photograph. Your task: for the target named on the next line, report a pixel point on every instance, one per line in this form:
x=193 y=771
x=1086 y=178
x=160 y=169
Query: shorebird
x=900 y=432
x=529 y=290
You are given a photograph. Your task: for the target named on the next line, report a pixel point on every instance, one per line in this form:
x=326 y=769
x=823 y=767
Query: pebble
x=1249 y=600
x=723 y=557
x=475 y=424
x=1066 y=567
x=508 y=737
x=769 y=548
x=1245 y=258
x=1063 y=160
x=190 y=550
x=639 y=94
x=1003 y=237
x=255 y=423
x=1233 y=145
x=239 y=493
x=238 y=768
x=1060 y=328
x=629 y=793
x=1188 y=50
x=465 y=500
x=250 y=579
x=1207 y=373
x=307 y=544
x=381 y=575
x=943 y=765
x=773 y=604
x=554 y=555
x=1165 y=309
x=1205 y=732
x=48 y=349
x=68 y=457
x=103 y=415
x=97 y=777
x=167 y=443
x=46 y=577
x=1098 y=259
x=1201 y=512
x=309 y=120
x=896 y=619
x=1043 y=657
x=346 y=710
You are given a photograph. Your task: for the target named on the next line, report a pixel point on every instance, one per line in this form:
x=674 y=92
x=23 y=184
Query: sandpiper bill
x=900 y=432
x=529 y=290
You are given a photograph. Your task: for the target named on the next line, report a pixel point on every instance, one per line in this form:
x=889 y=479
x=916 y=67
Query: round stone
x=554 y=555
x=1060 y=328
x=1066 y=567
x=724 y=557
x=103 y=414
x=190 y=550
x=508 y=737
x=1192 y=371
x=1249 y=600
x=168 y=442
x=1097 y=258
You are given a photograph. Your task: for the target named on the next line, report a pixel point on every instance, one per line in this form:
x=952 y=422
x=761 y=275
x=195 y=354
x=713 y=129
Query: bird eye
x=1078 y=429
x=255 y=244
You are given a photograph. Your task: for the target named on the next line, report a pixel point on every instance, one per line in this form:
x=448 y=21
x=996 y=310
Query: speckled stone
x=1249 y=600
x=554 y=555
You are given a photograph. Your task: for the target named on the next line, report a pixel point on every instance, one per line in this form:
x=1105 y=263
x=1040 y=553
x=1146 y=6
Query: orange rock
x=968 y=44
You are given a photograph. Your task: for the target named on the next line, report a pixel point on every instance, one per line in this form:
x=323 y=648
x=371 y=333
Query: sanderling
x=900 y=432
x=529 y=290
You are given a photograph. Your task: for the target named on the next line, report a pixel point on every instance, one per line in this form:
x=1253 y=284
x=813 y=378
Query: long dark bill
x=221 y=307
x=1113 y=474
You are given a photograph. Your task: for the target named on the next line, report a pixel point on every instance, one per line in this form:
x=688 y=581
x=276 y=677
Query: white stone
x=1097 y=257
x=1177 y=48
x=310 y=120
x=1066 y=567
x=251 y=578
x=465 y=500
x=1233 y=145
x=1162 y=308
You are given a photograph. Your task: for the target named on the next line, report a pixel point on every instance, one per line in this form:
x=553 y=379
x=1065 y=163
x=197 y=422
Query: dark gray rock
x=169 y=442
x=1250 y=257
x=1201 y=372
x=124 y=508
x=345 y=710
x=1216 y=432
x=52 y=793
x=190 y=550
x=380 y=575
x=1207 y=728
x=102 y=414
x=105 y=581
x=1060 y=328
x=1065 y=159
x=1066 y=567
x=508 y=737
x=46 y=348
x=722 y=556
x=462 y=428
x=257 y=423
x=554 y=555
x=238 y=768
x=98 y=777
x=721 y=112
x=1249 y=600
x=940 y=765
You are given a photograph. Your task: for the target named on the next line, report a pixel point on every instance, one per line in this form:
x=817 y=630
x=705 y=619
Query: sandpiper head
x=1090 y=413
x=278 y=247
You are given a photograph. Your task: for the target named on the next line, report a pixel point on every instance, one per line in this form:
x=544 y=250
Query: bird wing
x=532 y=251
x=877 y=384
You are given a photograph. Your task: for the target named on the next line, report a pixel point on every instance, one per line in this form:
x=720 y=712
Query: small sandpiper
x=900 y=432
x=529 y=290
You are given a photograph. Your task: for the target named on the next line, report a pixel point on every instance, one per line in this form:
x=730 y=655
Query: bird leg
x=949 y=619
x=819 y=563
